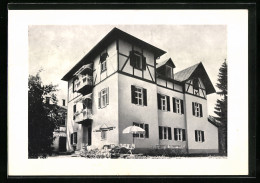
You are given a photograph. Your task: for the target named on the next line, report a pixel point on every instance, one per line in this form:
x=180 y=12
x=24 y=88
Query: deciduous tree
x=43 y=118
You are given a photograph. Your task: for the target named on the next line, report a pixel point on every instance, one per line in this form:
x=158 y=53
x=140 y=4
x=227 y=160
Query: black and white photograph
x=126 y=89
x=127 y=98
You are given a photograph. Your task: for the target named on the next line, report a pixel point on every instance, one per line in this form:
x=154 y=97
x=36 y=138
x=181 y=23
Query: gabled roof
x=185 y=74
x=167 y=61
x=194 y=71
x=114 y=34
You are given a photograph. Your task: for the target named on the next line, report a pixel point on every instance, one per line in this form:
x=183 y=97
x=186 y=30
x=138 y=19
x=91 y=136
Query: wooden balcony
x=84 y=115
x=84 y=85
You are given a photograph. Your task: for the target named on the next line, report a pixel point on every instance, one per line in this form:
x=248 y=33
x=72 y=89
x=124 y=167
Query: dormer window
x=137 y=60
x=169 y=71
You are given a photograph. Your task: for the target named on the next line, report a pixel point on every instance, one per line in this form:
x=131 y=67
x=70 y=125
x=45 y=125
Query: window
x=169 y=72
x=103 y=135
x=196 y=83
x=196 y=86
x=197 y=109
x=179 y=134
x=76 y=84
x=143 y=126
x=74 y=111
x=177 y=105
x=104 y=66
x=103 y=98
x=163 y=102
x=139 y=95
x=103 y=61
x=165 y=133
x=199 y=136
x=63 y=102
x=73 y=138
x=137 y=60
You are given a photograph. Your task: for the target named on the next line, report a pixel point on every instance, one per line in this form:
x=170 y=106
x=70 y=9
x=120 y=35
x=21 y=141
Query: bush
x=165 y=152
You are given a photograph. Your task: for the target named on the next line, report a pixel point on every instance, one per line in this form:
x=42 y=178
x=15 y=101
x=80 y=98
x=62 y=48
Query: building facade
x=120 y=83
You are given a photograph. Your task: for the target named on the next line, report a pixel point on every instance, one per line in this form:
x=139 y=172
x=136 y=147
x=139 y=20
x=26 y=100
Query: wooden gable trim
x=143 y=79
x=142 y=63
x=117 y=48
x=125 y=63
x=149 y=73
x=169 y=88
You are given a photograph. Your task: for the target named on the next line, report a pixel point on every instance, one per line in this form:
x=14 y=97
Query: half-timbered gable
x=196 y=81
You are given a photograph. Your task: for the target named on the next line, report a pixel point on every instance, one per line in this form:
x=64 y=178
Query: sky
x=57 y=48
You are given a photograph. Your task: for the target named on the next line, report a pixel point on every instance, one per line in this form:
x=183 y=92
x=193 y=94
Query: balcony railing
x=83 y=82
x=82 y=115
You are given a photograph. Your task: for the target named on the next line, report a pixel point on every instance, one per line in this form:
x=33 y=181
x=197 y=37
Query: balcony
x=82 y=116
x=84 y=84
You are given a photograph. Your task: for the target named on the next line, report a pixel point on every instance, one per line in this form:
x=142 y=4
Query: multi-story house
x=119 y=83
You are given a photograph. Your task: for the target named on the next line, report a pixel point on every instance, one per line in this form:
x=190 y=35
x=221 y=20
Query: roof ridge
x=189 y=67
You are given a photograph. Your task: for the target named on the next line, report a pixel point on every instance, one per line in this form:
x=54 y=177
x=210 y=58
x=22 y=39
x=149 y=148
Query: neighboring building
x=119 y=83
x=59 y=143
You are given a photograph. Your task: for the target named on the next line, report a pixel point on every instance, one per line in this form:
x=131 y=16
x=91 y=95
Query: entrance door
x=87 y=134
x=62 y=144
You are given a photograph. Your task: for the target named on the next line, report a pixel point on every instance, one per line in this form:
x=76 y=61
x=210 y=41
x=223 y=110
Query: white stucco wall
x=200 y=123
x=108 y=114
x=171 y=119
x=129 y=113
x=111 y=64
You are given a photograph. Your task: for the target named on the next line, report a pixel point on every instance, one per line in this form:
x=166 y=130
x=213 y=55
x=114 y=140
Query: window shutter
x=131 y=58
x=173 y=104
x=182 y=107
x=74 y=108
x=133 y=94
x=169 y=133
x=141 y=126
x=202 y=135
x=99 y=99
x=201 y=114
x=146 y=127
x=71 y=138
x=175 y=134
x=193 y=108
x=196 y=136
x=168 y=103
x=75 y=137
x=145 y=96
x=144 y=63
x=107 y=95
x=159 y=101
x=160 y=132
x=183 y=135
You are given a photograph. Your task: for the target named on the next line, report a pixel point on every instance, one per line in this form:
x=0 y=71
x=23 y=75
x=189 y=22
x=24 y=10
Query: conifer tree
x=221 y=108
